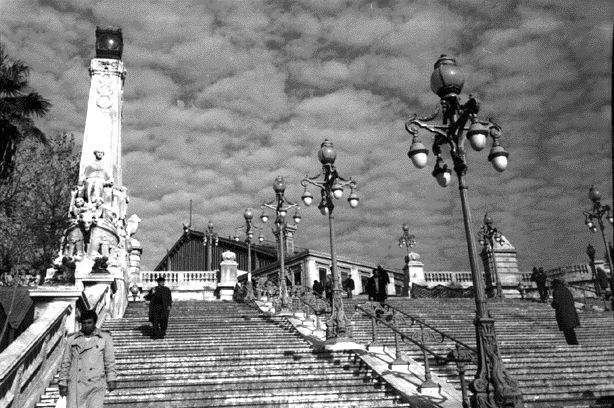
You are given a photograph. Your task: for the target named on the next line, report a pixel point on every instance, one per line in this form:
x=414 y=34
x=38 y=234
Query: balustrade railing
x=304 y=299
x=178 y=278
x=33 y=358
x=421 y=333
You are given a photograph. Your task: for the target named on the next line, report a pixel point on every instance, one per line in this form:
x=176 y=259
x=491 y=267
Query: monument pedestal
x=228 y=276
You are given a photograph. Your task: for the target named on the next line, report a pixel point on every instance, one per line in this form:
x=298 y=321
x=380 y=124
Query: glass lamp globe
x=477 y=135
x=264 y=217
x=307 y=198
x=418 y=154
x=337 y=191
x=353 y=200
x=443 y=178
x=498 y=158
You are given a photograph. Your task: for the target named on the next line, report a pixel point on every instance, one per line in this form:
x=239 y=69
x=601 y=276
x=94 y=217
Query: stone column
x=505 y=257
x=228 y=276
x=413 y=273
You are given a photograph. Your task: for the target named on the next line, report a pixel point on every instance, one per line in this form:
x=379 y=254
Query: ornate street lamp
x=249 y=234
x=210 y=238
x=407 y=240
x=598 y=213
x=281 y=206
x=493 y=386
x=487 y=236
x=331 y=186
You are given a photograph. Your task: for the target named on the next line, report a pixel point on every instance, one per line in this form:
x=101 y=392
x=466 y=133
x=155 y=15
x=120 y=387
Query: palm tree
x=18 y=107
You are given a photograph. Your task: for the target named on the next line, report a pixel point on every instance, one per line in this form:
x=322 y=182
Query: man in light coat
x=88 y=365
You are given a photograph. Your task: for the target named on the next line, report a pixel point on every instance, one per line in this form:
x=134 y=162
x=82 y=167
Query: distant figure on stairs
x=349 y=286
x=566 y=315
x=160 y=302
x=371 y=286
x=541 y=280
x=318 y=288
x=382 y=282
x=88 y=365
x=328 y=288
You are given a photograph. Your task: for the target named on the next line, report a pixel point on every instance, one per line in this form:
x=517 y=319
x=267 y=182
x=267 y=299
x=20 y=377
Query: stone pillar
x=413 y=273
x=228 y=276
x=355 y=274
x=505 y=257
x=311 y=272
x=289 y=232
x=134 y=266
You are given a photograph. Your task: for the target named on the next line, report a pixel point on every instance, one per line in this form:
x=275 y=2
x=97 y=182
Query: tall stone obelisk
x=103 y=130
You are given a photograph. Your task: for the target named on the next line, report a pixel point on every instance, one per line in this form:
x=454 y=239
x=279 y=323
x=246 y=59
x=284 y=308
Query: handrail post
x=374 y=345
x=460 y=365
x=428 y=386
x=400 y=361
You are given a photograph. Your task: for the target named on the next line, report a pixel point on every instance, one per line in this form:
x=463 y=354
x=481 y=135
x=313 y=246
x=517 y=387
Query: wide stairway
x=224 y=354
x=550 y=373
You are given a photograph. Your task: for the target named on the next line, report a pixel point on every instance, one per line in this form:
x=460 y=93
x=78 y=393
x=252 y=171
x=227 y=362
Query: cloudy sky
x=223 y=96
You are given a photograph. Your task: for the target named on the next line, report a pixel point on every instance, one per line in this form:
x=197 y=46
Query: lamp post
x=407 y=240
x=210 y=238
x=493 y=386
x=331 y=186
x=249 y=234
x=598 y=213
x=487 y=236
x=590 y=251
x=281 y=206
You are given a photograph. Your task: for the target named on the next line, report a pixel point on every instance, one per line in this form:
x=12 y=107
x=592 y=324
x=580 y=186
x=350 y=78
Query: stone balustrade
x=178 y=279
x=445 y=278
x=33 y=358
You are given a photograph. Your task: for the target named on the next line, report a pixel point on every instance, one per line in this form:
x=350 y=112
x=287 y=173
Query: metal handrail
x=303 y=293
x=442 y=334
x=461 y=354
x=438 y=357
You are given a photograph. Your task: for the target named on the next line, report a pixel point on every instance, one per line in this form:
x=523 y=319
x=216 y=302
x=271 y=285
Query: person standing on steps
x=160 y=302
x=566 y=314
x=88 y=365
x=541 y=280
x=383 y=281
x=349 y=286
x=371 y=286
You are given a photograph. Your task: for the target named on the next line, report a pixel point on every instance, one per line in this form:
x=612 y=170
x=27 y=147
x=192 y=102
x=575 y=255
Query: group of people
x=562 y=301
x=375 y=287
x=377 y=283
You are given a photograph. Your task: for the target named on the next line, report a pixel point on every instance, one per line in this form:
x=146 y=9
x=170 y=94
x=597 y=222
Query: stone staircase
x=224 y=354
x=550 y=372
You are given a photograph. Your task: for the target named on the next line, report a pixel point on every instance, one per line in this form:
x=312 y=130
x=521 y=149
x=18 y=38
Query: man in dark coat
x=540 y=278
x=602 y=279
x=383 y=281
x=349 y=286
x=328 y=288
x=160 y=302
x=566 y=315
x=318 y=288
x=371 y=287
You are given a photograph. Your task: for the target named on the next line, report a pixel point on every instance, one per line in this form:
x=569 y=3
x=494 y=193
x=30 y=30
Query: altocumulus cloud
x=222 y=97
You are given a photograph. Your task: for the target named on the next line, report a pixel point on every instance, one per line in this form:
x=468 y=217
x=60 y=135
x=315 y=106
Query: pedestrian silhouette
x=566 y=315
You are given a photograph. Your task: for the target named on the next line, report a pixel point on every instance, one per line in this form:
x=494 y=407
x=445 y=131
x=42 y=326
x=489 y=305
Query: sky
x=223 y=96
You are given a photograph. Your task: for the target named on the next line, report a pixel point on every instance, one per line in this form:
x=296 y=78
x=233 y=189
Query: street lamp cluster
x=210 y=238
x=249 y=235
x=281 y=206
x=597 y=214
x=487 y=236
x=407 y=240
x=493 y=385
x=331 y=186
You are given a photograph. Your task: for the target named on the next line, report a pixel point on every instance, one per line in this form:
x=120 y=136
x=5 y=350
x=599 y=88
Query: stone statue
x=229 y=256
x=95 y=178
x=132 y=225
